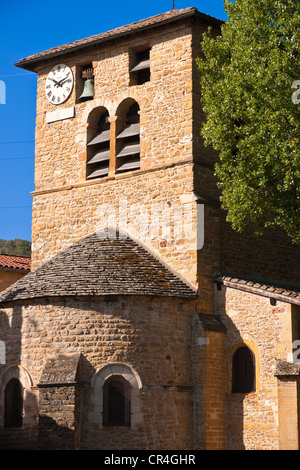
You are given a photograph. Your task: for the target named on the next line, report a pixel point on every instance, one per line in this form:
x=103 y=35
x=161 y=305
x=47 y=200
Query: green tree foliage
x=250 y=94
x=16 y=247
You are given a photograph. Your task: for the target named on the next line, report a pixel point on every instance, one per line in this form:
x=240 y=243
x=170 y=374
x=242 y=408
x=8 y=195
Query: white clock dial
x=59 y=84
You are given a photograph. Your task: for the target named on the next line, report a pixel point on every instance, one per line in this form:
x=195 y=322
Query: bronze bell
x=88 y=90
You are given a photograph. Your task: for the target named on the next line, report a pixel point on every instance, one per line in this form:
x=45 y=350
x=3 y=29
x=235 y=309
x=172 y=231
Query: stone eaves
x=96 y=266
x=60 y=371
x=29 y=63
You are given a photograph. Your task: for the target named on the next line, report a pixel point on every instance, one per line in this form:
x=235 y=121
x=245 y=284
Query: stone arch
x=125 y=105
x=95 y=114
x=105 y=372
x=133 y=95
x=97 y=104
x=29 y=405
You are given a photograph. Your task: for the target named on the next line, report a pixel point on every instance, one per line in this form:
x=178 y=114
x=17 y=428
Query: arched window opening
x=243 y=371
x=128 y=142
x=98 y=149
x=13 y=404
x=116 y=401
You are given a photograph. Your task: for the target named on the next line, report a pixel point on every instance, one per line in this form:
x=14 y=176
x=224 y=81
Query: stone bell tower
x=121 y=128
x=118 y=147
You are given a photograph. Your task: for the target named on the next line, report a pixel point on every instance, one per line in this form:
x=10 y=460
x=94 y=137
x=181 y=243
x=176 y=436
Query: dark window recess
x=128 y=142
x=13 y=404
x=116 y=401
x=243 y=371
x=98 y=150
x=140 y=72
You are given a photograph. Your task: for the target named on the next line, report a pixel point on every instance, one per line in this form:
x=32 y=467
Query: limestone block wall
x=151 y=336
x=252 y=419
x=209 y=372
x=65 y=205
x=62 y=217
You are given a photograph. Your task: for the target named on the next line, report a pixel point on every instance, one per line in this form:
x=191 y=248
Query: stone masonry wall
x=252 y=419
x=151 y=335
x=271 y=257
x=61 y=218
x=65 y=205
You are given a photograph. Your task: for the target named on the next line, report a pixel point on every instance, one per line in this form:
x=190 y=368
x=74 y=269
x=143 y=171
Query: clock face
x=59 y=84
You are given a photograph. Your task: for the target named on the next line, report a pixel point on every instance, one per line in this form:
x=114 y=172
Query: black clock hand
x=61 y=82
x=56 y=83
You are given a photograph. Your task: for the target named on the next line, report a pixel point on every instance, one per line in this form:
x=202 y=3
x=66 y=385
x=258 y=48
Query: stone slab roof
x=284 y=293
x=286 y=369
x=15 y=262
x=60 y=370
x=154 y=21
x=96 y=266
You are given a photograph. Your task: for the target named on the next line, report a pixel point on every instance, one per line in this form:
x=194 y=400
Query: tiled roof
x=284 y=293
x=153 y=21
x=16 y=262
x=99 y=267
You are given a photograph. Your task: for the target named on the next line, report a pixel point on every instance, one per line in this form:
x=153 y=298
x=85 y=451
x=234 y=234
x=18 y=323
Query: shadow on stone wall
x=52 y=436
x=26 y=436
x=271 y=256
x=235 y=402
x=10 y=334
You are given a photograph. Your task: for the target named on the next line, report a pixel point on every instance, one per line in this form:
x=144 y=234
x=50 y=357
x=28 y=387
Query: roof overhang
x=274 y=291
x=31 y=62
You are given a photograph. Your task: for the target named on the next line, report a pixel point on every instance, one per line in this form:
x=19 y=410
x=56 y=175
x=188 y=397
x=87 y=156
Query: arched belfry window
x=243 y=371
x=98 y=149
x=13 y=406
x=128 y=142
x=116 y=401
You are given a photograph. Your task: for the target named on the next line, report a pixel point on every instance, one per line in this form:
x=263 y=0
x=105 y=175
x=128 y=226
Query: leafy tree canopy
x=251 y=97
x=16 y=247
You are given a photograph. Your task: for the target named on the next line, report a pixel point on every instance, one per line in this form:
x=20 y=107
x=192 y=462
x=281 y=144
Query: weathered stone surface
x=122 y=309
x=97 y=266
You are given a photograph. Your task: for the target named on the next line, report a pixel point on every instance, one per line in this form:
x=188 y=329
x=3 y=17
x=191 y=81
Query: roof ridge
x=158 y=257
x=96 y=266
x=155 y=20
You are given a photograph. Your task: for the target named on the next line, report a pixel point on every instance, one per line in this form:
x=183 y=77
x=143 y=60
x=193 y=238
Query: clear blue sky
x=31 y=27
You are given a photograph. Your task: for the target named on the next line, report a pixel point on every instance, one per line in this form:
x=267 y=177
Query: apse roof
x=98 y=266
